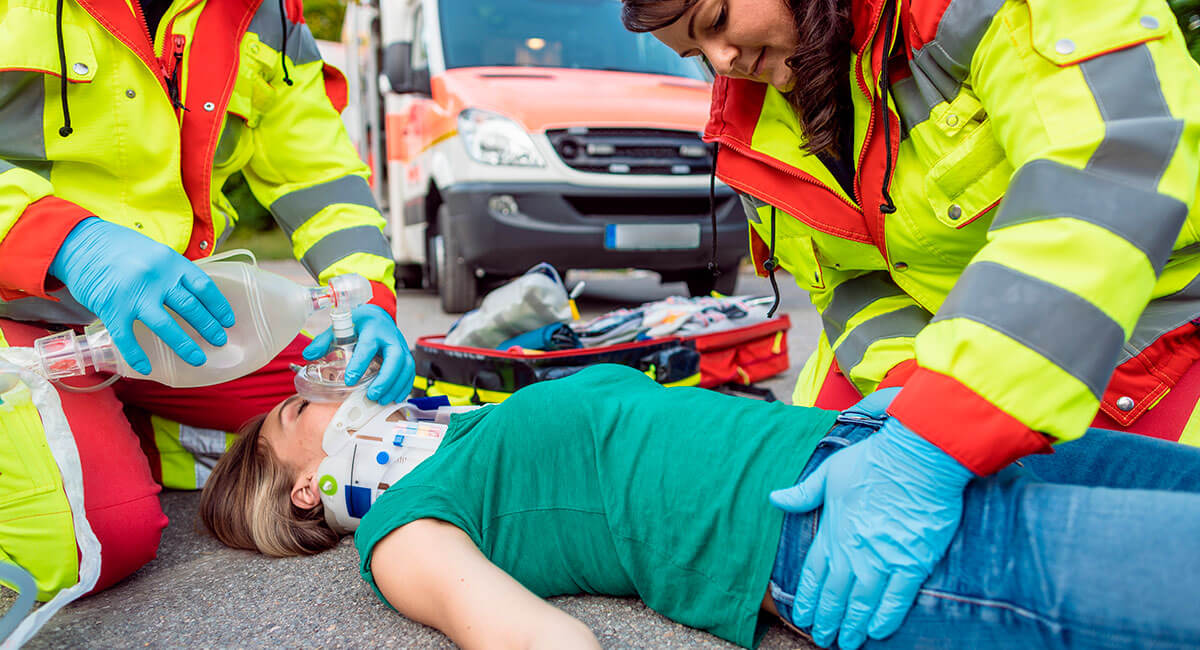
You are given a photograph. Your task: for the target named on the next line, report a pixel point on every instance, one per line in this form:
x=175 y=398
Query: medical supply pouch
x=743 y=355
x=478 y=375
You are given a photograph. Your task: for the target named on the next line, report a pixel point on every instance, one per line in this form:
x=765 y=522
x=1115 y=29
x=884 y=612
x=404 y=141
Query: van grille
x=632 y=151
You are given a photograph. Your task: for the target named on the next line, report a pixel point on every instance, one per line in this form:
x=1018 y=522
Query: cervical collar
x=369 y=447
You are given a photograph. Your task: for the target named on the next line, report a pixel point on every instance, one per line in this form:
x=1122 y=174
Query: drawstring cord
x=770 y=265
x=712 y=212
x=62 y=69
x=283 y=21
x=888 y=207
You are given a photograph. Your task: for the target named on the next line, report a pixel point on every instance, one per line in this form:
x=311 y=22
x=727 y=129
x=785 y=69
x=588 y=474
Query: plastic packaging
x=529 y=302
x=270 y=311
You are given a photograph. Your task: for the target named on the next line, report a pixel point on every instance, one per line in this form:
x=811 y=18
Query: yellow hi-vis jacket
x=1044 y=165
x=149 y=131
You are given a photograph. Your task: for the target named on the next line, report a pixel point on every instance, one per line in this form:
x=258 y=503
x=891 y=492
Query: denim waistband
x=799 y=529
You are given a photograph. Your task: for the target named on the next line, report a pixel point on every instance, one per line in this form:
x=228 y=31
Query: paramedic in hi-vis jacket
x=993 y=206
x=122 y=121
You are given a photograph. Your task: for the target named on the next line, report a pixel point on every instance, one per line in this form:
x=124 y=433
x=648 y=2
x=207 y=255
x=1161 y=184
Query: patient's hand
x=432 y=572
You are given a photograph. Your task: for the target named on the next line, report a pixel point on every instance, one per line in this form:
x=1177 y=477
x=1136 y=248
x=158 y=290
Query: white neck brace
x=369 y=447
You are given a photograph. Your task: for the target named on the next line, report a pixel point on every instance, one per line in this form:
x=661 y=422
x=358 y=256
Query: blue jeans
x=1095 y=546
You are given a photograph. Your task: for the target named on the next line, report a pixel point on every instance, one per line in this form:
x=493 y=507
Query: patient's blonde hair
x=247 y=502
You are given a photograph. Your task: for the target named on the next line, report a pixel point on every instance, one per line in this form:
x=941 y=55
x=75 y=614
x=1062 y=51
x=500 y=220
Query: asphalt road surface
x=198 y=593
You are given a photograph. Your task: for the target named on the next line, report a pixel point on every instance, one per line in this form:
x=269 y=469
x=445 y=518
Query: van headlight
x=496 y=140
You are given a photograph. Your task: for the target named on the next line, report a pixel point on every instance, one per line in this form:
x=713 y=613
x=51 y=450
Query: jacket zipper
x=173 y=67
x=799 y=175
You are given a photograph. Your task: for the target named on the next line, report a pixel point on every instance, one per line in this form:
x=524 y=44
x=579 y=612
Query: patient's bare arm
x=431 y=572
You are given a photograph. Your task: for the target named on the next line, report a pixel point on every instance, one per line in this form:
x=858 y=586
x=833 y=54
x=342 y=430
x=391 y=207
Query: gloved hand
x=876 y=404
x=122 y=276
x=892 y=505
x=377 y=334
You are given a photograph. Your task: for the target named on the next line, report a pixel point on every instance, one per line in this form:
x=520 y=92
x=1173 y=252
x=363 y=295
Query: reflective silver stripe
x=751 y=205
x=1161 y=316
x=294 y=208
x=1057 y=324
x=905 y=322
x=912 y=104
x=853 y=296
x=302 y=47
x=22 y=101
x=1044 y=189
x=336 y=245
x=941 y=66
x=1140 y=135
x=206 y=447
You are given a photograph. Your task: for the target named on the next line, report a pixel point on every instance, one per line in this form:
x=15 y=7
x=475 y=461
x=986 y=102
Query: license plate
x=656 y=236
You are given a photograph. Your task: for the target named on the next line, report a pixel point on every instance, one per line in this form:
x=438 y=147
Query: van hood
x=549 y=98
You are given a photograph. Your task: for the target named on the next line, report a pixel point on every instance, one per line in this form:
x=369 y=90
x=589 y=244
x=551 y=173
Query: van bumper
x=568 y=226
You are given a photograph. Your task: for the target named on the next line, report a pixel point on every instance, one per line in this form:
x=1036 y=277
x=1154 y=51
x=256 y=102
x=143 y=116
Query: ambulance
x=503 y=133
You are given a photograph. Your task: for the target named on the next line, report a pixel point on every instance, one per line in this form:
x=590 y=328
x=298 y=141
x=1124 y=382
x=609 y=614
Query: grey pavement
x=197 y=593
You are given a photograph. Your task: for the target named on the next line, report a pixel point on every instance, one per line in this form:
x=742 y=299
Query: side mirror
x=397 y=58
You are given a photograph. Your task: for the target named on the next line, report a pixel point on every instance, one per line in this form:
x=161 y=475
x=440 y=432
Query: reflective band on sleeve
x=1163 y=315
x=1140 y=135
x=941 y=66
x=1044 y=189
x=293 y=209
x=1057 y=324
x=335 y=246
x=902 y=323
x=302 y=47
x=852 y=296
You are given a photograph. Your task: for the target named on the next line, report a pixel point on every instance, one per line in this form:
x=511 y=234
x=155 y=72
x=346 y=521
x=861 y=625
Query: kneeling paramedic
x=122 y=123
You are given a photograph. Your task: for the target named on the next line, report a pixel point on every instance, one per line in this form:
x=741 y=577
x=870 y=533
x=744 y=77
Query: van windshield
x=584 y=34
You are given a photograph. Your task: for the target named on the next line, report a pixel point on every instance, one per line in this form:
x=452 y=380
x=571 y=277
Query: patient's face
x=295 y=428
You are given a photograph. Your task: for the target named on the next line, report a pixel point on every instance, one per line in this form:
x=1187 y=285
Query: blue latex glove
x=121 y=276
x=377 y=334
x=892 y=505
x=875 y=405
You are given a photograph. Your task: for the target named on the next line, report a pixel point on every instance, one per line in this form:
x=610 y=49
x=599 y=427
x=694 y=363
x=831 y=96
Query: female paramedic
x=992 y=205
x=662 y=493
x=122 y=123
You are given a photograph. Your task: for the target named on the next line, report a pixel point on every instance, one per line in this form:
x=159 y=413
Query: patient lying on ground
x=607 y=483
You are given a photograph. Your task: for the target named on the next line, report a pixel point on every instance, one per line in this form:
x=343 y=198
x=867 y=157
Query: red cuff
x=898 y=375
x=30 y=246
x=961 y=423
x=384 y=297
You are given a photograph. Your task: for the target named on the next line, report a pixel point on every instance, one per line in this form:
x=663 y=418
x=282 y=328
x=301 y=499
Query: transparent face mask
x=369 y=447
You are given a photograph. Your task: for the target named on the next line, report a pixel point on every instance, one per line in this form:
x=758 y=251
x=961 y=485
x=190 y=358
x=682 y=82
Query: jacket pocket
x=30 y=40
x=253 y=94
x=972 y=175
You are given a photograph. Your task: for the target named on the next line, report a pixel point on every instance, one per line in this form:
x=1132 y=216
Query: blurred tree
x=324 y=18
x=1188 y=14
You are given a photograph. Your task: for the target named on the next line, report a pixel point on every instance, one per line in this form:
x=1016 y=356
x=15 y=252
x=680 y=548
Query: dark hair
x=247 y=502
x=821 y=61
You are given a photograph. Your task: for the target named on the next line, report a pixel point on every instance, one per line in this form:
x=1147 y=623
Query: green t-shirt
x=605 y=482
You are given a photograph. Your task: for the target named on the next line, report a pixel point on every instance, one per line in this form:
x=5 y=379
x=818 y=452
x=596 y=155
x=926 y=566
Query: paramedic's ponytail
x=247 y=502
